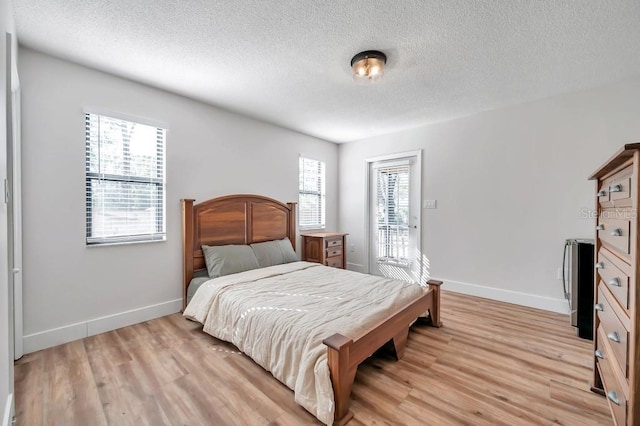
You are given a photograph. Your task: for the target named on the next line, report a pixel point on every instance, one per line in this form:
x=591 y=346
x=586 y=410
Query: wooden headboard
x=233 y=219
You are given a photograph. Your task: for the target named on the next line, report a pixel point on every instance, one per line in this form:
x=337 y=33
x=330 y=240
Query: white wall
x=511 y=185
x=210 y=152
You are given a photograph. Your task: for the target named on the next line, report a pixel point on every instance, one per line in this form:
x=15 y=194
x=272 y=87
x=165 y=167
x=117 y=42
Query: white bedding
x=279 y=316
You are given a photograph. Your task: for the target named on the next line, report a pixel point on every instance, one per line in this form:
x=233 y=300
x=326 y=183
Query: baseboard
x=57 y=336
x=7 y=417
x=356 y=267
x=134 y=316
x=509 y=296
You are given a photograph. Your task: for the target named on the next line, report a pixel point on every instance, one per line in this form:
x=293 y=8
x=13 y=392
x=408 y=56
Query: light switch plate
x=429 y=204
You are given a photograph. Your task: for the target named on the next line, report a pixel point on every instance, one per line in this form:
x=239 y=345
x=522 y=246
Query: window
x=125 y=181
x=311 y=194
x=392 y=212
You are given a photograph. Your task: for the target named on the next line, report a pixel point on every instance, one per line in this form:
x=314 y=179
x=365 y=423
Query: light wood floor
x=491 y=364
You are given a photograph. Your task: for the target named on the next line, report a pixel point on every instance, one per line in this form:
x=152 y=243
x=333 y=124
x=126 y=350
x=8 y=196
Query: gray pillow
x=274 y=252
x=194 y=285
x=225 y=260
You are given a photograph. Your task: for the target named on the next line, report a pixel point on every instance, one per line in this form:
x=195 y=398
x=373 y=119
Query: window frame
x=321 y=193
x=158 y=182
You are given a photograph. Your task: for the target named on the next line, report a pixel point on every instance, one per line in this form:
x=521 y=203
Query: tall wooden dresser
x=617 y=300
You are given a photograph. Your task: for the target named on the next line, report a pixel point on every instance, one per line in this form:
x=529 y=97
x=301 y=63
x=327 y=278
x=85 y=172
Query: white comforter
x=279 y=316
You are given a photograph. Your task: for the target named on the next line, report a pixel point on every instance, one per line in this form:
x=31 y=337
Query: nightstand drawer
x=335 y=251
x=334 y=262
x=333 y=242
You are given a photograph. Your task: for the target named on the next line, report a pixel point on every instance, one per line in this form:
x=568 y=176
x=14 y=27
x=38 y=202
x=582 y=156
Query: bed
x=242 y=220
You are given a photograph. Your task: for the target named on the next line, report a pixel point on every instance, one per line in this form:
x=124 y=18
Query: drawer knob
x=599 y=265
x=615 y=188
x=602 y=193
x=598 y=307
x=613 y=397
x=615 y=282
x=600 y=228
x=613 y=336
x=616 y=232
x=599 y=354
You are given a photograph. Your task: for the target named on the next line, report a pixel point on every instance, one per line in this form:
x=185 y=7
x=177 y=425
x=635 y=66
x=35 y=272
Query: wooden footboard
x=344 y=354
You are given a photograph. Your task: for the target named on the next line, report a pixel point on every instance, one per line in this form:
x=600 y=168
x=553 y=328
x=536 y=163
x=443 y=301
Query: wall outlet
x=352 y=248
x=559 y=274
x=429 y=204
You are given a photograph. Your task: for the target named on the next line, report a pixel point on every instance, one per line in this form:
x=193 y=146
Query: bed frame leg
x=399 y=343
x=434 y=311
x=342 y=375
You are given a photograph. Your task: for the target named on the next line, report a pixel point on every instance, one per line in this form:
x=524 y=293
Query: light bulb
x=368 y=66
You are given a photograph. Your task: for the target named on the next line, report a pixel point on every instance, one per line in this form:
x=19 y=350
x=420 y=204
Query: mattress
x=279 y=316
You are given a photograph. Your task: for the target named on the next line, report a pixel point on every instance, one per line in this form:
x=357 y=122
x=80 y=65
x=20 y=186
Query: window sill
x=311 y=228
x=124 y=243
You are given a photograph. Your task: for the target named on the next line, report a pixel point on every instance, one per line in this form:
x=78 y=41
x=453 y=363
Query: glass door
x=394 y=219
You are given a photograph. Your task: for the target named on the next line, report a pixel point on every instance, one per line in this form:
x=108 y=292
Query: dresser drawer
x=616 y=334
x=620 y=189
x=333 y=242
x=619 y=186
x=614 y=233
x=613 y=386
x=613 y=277
x=616 y=190
x=603 y=191
x=334 y=262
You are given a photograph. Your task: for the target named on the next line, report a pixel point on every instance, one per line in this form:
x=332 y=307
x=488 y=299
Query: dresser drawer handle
x=602 y=193
x=599 y=265
x=600 y=228
x=615 y=188
x=599 y=354
x=616 y=232
x=613 y=336
x=613 y=397
x=615 y=282
x=598 y=307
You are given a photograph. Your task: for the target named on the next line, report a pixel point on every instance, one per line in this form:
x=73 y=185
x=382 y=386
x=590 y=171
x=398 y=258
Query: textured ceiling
x=287 y=61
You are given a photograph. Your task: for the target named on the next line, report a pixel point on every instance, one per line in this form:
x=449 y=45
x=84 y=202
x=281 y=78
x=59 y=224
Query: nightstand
x=327 y=248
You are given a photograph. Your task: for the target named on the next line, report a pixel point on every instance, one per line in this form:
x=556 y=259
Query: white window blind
x=393 y=211
x=125 y=181
x=311 y=194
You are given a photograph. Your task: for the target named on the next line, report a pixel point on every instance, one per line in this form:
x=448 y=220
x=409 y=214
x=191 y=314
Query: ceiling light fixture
x=368 y=66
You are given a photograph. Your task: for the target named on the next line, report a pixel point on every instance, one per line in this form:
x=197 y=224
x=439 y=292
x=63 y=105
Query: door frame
x=417 y=154
x=16 y=223
x=13 y=191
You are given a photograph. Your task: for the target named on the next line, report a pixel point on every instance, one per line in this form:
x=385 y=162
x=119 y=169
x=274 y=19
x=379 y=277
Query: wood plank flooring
x=491 y=364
